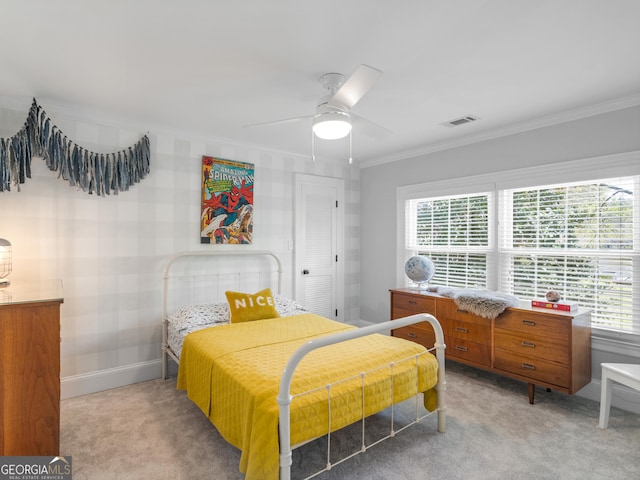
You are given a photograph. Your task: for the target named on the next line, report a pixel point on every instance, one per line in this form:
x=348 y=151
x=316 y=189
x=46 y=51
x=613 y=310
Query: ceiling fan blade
x=280 y=122
x=354 y=88
x=369 y=128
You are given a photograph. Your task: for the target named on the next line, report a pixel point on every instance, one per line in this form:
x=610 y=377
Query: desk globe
x=420 y=269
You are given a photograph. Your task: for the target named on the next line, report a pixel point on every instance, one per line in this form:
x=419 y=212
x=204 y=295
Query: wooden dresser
x=30 y=369
x=541 y=347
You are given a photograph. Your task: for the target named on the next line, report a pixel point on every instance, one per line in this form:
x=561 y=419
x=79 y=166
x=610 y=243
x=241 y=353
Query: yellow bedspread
x=233 y=372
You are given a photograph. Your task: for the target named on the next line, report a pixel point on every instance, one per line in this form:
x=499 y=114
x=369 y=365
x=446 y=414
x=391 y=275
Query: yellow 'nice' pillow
x=245 y=307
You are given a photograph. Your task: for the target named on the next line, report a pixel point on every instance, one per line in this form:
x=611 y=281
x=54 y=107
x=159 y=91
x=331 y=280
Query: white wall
x=594 y=136
x=109 y=251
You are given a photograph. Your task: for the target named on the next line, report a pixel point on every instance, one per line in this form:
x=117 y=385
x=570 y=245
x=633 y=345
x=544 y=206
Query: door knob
x=305 y=272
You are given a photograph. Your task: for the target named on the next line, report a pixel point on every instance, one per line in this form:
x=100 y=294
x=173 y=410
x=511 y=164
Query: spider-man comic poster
x=227 y=201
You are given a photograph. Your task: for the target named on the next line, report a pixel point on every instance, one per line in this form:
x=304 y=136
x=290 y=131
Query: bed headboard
x=195 y=277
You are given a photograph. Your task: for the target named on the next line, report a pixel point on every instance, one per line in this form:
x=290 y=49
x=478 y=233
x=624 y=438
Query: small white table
x=625 y=373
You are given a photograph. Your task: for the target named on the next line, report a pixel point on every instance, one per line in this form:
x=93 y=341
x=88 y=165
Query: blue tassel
x=90 y=171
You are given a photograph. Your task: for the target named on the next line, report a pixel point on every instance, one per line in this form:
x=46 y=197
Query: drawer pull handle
x=461 y=348
x=531 y=323
x=412 y=335
x=529 y=366
x=413 y=302
x=463 y=330
x=461 y=311
x=528 y=344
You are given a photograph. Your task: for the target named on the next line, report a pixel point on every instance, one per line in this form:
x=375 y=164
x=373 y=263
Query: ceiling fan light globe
x=331 y=125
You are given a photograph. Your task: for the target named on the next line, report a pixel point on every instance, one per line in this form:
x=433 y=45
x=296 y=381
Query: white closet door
x=318 y=244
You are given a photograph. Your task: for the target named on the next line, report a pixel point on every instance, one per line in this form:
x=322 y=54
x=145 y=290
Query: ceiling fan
x=332 y=118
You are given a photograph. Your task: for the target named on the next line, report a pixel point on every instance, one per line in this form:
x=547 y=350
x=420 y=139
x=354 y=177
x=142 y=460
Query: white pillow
x=287 y=306
x=199 y=315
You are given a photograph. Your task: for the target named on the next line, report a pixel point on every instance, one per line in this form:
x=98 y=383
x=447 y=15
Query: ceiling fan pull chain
x=351 y=148
x=313 y=147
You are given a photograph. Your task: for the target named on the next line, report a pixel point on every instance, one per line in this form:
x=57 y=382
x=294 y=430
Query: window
x=453 y=231
x=579 y=238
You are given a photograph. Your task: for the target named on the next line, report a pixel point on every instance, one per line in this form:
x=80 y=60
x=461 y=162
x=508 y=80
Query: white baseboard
x=93 y=382
x=622 y=396
x=361 y=323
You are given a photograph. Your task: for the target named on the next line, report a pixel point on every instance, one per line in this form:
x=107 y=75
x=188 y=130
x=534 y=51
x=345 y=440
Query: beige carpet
x=152 y=431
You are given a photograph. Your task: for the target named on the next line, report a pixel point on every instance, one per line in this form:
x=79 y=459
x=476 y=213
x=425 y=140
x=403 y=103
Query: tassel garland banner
x=102 y=173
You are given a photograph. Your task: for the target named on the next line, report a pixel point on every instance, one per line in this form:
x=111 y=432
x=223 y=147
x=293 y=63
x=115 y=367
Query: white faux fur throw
x=483 y=303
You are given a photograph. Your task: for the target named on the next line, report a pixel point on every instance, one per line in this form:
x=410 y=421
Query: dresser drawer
x=405 y=305
x=532 y=368
x=424 y=326
x=447 y=309
x=528 y=345
x=533 y=323
x=473 y=332
x=458 y=348
x=419 y=335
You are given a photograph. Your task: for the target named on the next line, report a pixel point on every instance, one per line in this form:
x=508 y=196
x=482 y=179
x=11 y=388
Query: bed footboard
x=285 y=397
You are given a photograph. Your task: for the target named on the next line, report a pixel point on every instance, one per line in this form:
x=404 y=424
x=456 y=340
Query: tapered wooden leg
x=532 y=391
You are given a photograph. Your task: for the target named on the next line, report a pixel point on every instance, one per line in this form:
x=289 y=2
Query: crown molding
x=109 y=120
x=540 y=122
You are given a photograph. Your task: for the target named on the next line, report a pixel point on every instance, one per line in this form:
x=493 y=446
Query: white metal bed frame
x=285 y=398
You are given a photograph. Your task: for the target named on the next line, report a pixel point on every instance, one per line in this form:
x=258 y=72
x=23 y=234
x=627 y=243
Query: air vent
x=460 y=121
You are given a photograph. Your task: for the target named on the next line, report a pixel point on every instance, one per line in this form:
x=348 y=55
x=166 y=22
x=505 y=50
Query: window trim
x=593 y=168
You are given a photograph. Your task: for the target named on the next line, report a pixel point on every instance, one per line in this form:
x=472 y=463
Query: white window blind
x=578 y=239
x=454 y=232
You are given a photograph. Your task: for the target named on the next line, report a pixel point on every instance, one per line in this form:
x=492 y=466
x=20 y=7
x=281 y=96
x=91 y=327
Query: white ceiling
x=210 y=68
